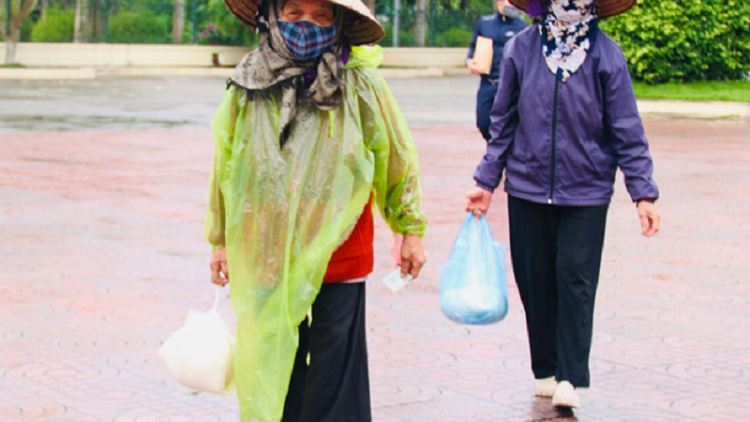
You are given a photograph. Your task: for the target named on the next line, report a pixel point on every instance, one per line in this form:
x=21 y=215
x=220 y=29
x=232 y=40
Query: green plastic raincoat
x=281 y=213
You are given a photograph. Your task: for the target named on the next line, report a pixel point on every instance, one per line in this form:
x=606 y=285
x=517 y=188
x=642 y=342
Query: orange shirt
x=355 y=258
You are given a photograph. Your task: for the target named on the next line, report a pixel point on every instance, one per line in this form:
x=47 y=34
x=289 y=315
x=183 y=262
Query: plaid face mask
x=305 y=40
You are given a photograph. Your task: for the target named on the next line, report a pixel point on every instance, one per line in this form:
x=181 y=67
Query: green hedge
x=135 y=27
x=218 y=26
x=454 y=37
x=405 y=37
x=57 y=25
x=685 y=40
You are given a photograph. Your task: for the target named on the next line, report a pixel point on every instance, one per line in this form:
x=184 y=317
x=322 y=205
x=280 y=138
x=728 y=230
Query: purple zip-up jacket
x=562 y=142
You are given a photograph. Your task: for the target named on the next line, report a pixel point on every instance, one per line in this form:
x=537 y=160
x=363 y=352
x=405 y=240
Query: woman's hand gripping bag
x=200 y=355
x=473 y=283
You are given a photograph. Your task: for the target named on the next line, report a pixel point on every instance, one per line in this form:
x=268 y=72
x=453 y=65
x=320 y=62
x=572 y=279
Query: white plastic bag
x=473 y=283
x=200 y=355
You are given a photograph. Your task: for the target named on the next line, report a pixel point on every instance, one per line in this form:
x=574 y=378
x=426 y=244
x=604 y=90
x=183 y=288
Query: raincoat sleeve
x=626 y=131
x=223 y=126
x=397 y=191
x=504 y=121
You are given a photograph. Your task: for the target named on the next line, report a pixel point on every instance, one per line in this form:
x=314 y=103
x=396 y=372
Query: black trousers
x=335 y=386
x=556 y=253
x=485 y=100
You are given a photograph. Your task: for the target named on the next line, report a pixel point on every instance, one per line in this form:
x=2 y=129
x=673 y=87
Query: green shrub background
x=685 y=40
x=663 y=40
x=56 y=25
x=133 y=27
x=229 y=30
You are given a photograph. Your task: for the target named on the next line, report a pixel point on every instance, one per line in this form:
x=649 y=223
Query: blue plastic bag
x=473 y=283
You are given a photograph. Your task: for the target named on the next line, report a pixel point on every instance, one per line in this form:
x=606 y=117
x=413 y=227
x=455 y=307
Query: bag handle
x=216 y=298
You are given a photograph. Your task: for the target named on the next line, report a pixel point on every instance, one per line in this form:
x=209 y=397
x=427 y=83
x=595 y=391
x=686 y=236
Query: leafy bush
x=221 y=27
x=134 y=27
x=454 y=37
x=446 y=21
x=56 y=25
x=689 y=40
x=28 y=24
x=405 y=37
x=211 y=35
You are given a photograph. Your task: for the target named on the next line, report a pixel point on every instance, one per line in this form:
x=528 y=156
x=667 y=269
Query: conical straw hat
x=360 y=25
x=607 y=8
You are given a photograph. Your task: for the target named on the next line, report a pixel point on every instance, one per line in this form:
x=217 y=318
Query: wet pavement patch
x=37 y=123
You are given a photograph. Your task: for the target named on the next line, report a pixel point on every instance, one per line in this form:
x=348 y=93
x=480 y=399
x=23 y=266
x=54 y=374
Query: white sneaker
x=545 y=387
x=566 y=396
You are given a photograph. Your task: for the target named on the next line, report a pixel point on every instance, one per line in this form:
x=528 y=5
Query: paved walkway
x=103 y=256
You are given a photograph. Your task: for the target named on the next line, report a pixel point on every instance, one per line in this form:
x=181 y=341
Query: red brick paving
x=103 y=256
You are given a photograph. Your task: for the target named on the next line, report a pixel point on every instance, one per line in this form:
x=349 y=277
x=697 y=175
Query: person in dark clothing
x=499 y=27
x=564 y=120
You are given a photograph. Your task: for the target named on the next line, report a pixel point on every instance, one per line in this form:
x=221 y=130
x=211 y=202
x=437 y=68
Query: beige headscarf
x=272 y=64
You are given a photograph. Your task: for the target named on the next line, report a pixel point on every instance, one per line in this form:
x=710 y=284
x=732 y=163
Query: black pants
x=335 y=386
x=556 y=253
x=485 y=100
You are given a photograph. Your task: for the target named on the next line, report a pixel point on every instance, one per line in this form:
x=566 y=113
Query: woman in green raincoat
x=307 y=138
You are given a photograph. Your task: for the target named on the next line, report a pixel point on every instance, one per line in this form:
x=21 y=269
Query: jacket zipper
x=554 y=141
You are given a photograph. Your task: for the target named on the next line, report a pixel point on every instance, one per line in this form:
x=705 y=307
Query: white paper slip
x=395 y=282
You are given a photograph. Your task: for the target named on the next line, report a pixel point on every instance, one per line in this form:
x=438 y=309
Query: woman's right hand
x=219 y=268
x=478 y=201
x=649 y=216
